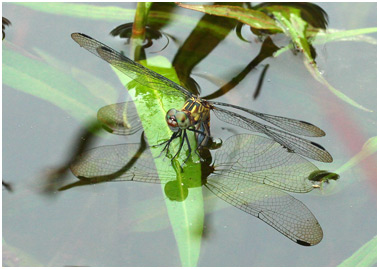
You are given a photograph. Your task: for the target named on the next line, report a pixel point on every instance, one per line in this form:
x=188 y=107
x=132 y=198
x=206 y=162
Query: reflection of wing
x=290 y=125
x=291 y=142
x=120 y=119
x=254 y=158
x=247 y=168
x=130 y=68
x=124 y=162
x=278 y=209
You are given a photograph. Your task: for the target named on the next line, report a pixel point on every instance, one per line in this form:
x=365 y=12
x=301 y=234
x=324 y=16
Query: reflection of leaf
x=364 y=257
x=267 y=50
x=106 y=13
x=15 y=257
x=95 y=85
x=186 y=217
x=255 y=19
x=41 y=80
x=199 y=44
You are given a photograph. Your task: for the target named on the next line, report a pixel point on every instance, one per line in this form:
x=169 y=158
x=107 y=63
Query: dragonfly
x=194 y=116
x=251 y=172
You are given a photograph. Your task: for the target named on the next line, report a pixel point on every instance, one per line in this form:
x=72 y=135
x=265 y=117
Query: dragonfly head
x=177 y=120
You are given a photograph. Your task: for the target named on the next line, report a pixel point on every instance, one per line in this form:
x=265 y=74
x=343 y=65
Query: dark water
x=126 y=224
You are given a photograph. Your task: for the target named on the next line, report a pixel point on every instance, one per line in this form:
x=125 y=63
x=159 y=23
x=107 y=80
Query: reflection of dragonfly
x=195 y=114
x=247 y=172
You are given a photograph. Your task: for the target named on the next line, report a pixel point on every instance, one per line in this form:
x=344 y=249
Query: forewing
x=291 y=125
x=286 y=214
x=120 y=119
x=130 y=68
x=291 y=142
x=258 y=159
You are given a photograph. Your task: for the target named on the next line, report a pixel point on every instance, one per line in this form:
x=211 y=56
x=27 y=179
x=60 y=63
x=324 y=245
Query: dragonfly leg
x=199 y=142
x=168 y=142
x=181 y=145
x=185 y=136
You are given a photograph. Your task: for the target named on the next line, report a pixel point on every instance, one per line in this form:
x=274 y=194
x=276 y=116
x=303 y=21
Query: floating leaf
x=313 y=14
x=369 y=148
x=331 y=35
x=312 y=68
x=295 y=28
x=254 y=18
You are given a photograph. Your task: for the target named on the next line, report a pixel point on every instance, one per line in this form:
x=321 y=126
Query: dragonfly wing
x=253 y=158
x=120 y=119
x=291 y=125
x=291 y=142
x=130 y=68
x=124 y=162
x=280 y=210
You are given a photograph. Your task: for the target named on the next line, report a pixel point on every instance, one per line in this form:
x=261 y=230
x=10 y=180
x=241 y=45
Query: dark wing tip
x=104 y=48
x=78 y=36
x=303 y=243
x=326 y=157
x=74 y=35
x=318 y=145
x=319 y=132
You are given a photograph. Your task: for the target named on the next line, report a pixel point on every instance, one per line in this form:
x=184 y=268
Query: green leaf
x=186 y=216
x=295 y=27
x=366 y=256
x=331 y=35
x=254 y=18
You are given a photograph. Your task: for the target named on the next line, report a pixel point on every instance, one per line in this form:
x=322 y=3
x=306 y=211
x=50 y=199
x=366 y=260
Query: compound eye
x=171 y=113
x=171 y=120
x=182 y=120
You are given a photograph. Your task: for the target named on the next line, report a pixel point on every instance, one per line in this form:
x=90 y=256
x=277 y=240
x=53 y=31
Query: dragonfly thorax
x=177 y=120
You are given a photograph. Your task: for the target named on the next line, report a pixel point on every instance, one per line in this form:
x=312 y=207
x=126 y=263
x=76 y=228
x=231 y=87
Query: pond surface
x=48 y=105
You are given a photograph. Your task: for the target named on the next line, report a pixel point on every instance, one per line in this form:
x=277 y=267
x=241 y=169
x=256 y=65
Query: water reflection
x=267 y=50
x=199 y=44
x=7 y=186
x=58 y=176
x=6 y=22
x=151 y=35
x=248 y=172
